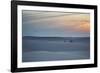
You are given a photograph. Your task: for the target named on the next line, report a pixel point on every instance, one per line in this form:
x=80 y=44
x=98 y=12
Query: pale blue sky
x=55 y=24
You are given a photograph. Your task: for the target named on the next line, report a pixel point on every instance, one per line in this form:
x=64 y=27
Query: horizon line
x=55 y=36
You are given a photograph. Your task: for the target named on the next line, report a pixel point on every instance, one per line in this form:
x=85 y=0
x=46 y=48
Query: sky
x=55 y=24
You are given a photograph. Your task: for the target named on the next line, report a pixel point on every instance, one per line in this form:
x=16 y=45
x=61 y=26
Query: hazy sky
x=55 y=24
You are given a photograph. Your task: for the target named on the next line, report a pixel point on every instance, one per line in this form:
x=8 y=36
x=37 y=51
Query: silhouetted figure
x=71 y=41
x=64 y=40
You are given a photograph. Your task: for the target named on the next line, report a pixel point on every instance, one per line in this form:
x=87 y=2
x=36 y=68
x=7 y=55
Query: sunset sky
x=55 y=24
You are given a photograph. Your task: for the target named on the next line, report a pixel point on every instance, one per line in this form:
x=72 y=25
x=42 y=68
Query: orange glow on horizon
x=83 y=27
x=78 y=23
